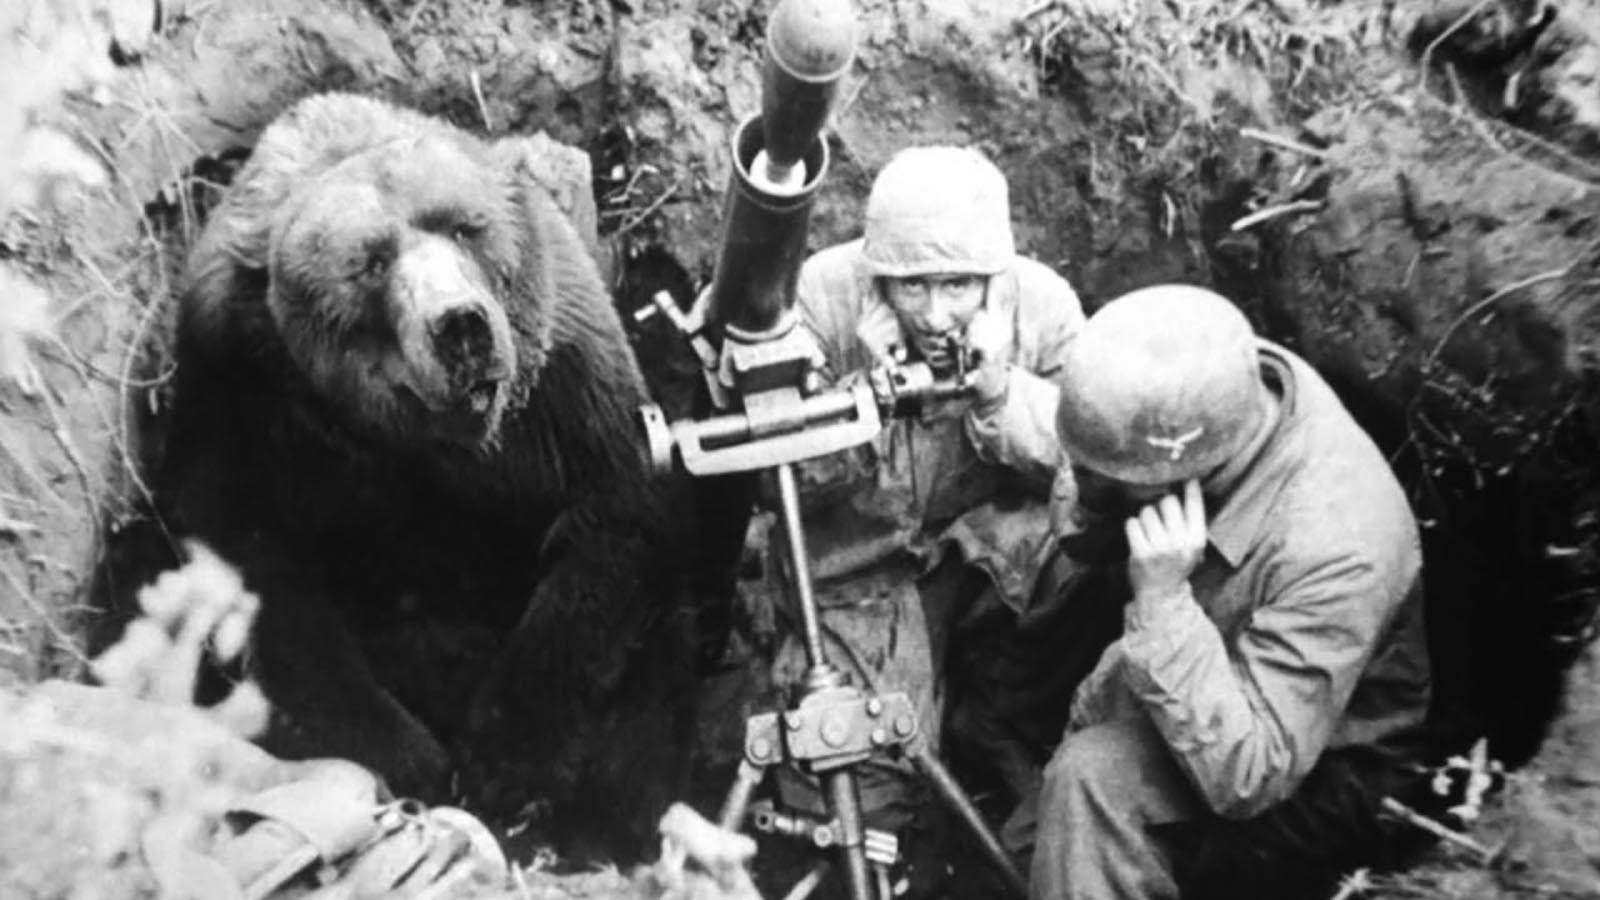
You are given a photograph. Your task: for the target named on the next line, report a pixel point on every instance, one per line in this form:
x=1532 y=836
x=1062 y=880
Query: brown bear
x=403 y=394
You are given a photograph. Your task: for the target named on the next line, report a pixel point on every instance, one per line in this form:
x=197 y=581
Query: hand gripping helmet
x=1162 y=384
x=938 y=209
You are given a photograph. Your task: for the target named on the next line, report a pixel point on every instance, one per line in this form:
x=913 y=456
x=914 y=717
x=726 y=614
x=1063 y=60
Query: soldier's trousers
x=1105 y=812
x=1116 y=818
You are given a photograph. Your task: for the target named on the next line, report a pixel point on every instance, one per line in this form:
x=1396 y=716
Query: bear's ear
x=563 y=173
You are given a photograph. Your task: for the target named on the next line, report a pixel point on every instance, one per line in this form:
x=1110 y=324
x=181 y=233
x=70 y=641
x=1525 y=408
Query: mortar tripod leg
x=947 y=788
x=745 y=782
x=846 y=805
x=808 y=884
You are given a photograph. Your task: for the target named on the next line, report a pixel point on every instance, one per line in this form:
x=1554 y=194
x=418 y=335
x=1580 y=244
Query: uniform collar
x=1248 y=485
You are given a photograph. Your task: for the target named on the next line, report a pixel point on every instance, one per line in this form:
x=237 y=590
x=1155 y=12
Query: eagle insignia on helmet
x=1175 y=446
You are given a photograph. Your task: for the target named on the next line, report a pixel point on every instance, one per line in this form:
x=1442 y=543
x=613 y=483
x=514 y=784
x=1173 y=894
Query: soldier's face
x=934 y=308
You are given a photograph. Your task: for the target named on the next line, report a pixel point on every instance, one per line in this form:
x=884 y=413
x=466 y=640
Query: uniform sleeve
x=825 y=311
x=1019 y=432
x=1248 y=720
x=826 y=317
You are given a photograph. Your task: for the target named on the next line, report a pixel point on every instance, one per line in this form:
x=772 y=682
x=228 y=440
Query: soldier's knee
x=1081 y=759
x=1102 y=759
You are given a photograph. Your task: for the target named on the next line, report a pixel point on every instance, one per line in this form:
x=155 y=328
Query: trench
x=1508 y=532
x=1509 y=606
x=1508 y=611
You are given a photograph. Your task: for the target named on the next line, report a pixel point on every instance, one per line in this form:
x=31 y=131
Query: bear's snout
x=462 y=341
x=455 y=336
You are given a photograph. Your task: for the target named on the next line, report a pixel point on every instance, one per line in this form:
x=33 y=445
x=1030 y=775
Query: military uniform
x=940 y=510
x=1258 y=717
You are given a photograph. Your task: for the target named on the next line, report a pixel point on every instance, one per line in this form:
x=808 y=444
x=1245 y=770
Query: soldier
x=1262 y=565
x=949 y=509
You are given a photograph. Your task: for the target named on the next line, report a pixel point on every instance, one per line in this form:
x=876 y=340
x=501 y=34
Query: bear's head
x=388 y=279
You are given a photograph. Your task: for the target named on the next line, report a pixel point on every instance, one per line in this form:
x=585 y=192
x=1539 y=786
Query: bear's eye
x=374 y=258
x=461 y=232
x=375 y=266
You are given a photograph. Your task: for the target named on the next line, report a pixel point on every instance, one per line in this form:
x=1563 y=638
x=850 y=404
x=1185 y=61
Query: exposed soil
x=1432 y=173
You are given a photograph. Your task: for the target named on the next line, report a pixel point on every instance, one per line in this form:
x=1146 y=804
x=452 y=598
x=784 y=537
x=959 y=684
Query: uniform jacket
x=1302 y=629
x=978 y=480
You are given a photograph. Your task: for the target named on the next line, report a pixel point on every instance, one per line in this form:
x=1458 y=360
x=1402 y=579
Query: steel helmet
x=938 y=209
x=1161 y=385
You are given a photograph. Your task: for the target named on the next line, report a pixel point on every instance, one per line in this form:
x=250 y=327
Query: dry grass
x=1174 y=84
x=1203 y=52
x=66 y=292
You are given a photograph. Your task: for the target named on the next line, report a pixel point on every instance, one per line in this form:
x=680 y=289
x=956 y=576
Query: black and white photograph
x=786 y=449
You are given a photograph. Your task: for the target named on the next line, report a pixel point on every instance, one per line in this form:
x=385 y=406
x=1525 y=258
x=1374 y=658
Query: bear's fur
x=368 y=458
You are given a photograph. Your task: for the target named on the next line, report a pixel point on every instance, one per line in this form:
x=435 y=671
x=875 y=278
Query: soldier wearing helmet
x=953 y=504
x=1270 y=679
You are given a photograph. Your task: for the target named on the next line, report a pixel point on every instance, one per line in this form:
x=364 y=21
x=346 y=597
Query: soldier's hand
x=986 y=336
x=1166 y=541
